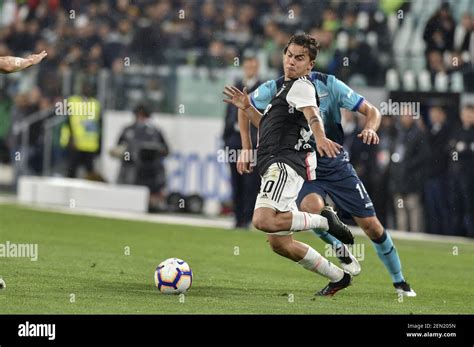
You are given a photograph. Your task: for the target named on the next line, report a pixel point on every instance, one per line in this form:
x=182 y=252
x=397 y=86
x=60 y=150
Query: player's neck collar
x=286 y=79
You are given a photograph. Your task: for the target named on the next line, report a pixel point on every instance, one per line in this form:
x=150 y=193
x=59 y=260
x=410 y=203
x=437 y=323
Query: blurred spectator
x=463 y=33
x=206 y=23
x=325 y=62
x=349 y=23
x=112 y=46
x=117 y=99
x=439 y=30
x=407 y=173
x=214 y=57
x=81 y=134
x=381 y=194
x=361 y=155
x=461 y=173
x=148 y=42
x=464 y=50
x=49 y=76
x=331 y=20
x=437 y=215
x=244 y=187
x=435 y=63
x=142 y=148
x=24 y=106
x=270 y=46
x=5 y=106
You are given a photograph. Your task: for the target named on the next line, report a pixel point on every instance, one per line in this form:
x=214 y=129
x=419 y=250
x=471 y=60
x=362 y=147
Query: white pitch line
x=211 y=222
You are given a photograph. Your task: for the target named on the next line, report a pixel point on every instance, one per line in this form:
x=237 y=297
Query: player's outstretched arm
x=244 y=127
x=369 y=134
x=244 y=160
x=241 y=100
x=14 y=64
x=324 y=146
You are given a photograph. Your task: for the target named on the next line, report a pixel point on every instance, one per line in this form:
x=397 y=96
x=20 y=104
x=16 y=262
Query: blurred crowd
x=356 y=38
x=421 y=174
x=450 y=45
x=85 y=37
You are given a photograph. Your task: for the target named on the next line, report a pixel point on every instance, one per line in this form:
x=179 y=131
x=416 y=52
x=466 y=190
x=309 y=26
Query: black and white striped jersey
x=284 y=131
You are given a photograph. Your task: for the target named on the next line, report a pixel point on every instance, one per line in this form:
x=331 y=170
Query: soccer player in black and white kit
x=285 y=160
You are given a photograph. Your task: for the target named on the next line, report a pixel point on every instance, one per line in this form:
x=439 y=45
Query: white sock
x=306 y=221
x=313 y=261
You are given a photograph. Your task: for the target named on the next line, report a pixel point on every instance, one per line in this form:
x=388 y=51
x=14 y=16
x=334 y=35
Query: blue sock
x=389 y=256
x=328 y=238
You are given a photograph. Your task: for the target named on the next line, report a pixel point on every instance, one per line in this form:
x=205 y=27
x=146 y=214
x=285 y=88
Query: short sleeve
x=346 y=97
x=301 y=94
x=263 y=95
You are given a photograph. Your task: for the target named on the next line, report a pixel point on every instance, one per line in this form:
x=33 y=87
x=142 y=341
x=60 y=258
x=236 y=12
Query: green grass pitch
x=83 y=267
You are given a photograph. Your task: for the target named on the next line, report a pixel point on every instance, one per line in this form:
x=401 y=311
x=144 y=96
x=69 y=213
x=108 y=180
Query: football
x=2 y=284
x=173 y=276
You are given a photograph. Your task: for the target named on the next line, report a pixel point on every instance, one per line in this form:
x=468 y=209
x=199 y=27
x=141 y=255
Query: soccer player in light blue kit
x=336 y=177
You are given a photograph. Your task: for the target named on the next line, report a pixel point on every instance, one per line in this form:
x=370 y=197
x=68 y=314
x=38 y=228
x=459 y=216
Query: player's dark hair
x=142 y=110
x=307 y=42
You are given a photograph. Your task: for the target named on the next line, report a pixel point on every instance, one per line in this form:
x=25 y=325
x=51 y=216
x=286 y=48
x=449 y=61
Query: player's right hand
x=244 y=162
x=236 y=97
x=328 y=148
x=36 y=58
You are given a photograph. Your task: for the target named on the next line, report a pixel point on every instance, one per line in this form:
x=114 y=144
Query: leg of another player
x=384 y=246
x=305 y=255
x=270 y=221
x=386 y=251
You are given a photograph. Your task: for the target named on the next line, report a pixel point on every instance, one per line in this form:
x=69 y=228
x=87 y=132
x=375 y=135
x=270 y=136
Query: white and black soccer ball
x=2 y=284
x=173 y=276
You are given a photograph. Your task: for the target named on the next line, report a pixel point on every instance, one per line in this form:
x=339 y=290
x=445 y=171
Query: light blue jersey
x=333 y=95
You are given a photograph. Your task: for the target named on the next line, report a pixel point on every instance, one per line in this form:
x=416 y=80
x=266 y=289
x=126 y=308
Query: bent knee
x=263 y=224
x=312 y=204
x=279 y=248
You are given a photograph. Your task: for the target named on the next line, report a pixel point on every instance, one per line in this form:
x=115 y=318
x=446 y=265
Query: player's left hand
x=369 y=136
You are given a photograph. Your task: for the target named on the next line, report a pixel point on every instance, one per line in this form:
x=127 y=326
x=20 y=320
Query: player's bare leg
x=287 y=247
x=314 y=203
x=371 y=226
x=311 y=260
x=269 y=220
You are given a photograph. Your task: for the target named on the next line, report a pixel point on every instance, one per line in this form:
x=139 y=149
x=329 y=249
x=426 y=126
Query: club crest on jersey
x=269 y=106
x=283 y=87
